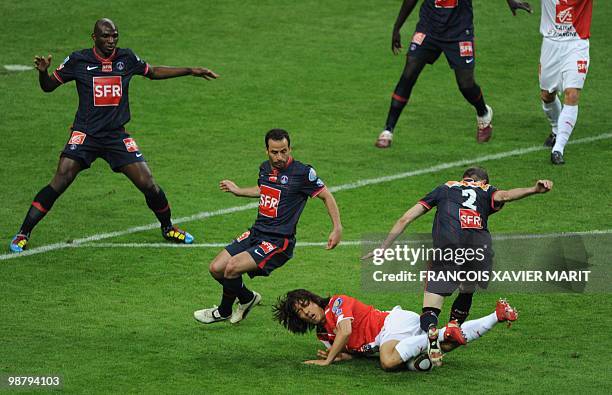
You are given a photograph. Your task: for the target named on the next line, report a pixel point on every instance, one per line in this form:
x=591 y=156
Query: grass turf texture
x=119 y=320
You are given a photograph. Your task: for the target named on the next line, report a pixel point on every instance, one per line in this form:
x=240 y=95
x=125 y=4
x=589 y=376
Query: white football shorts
x=563 y=64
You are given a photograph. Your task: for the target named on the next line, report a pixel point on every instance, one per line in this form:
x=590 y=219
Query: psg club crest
x=284 y=179
x=120 y=65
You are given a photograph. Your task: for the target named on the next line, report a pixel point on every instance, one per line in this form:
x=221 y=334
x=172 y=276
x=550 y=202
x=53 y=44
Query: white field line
x=18 y=67
x=343 y=187
x=347 y=243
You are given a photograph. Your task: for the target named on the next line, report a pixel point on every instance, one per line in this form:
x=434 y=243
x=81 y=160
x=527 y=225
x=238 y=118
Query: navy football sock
x=43 y=201
x=475 y=97
x=239 y=289
x=461 y=307
x=157 y=202
x=429 y=317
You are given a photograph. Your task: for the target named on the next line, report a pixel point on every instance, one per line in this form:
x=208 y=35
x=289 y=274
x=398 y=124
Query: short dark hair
x=277 y=135
x=477 y=174
x=284 y=310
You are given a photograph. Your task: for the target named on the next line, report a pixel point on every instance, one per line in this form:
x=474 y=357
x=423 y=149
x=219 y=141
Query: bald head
x=101 y=23
x=105 y=36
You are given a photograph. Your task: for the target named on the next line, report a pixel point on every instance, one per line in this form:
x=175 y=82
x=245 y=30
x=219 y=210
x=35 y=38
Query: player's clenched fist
x=543 y=186
x=42 y=63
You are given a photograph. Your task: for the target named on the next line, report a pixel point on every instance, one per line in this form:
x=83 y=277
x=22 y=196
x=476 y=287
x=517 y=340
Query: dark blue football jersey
x=463 y=209
x=283 y=195
x=447 y=20
x=102 y=85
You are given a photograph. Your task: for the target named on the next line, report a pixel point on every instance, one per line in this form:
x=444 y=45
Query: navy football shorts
x=117 y=148
x=269 y=252
x=459 y=54
x=445 y=277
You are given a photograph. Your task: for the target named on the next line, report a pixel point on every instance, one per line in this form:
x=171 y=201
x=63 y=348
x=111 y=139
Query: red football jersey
x=367 y=322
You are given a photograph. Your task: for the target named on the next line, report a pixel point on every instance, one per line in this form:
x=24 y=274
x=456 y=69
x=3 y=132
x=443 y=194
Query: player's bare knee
x=548 y=97
x=571 y=96
x=232 y=269
x=388 y=364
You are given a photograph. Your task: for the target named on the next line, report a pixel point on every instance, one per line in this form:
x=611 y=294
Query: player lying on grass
x=349 y=327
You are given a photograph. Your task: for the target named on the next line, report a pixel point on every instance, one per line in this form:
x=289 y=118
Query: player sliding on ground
x=445 y=26
x=461 y=221
x=102 y=75
x=349 y=327
x=283 y=188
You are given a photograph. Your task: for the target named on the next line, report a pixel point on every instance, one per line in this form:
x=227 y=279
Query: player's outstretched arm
x=231 y=187
x=332 y=209
x=519 y=5
x=409 y=216
x=47 y=83
x=343 y=332
x=541 y=186
x=165 y=72
x=404 y=12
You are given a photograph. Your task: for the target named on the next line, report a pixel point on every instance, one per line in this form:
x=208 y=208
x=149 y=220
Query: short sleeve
x=342 y=308
x=494 y=206
x=432 y=198
x=138 y=66
x=312 y=184
x=65 y=71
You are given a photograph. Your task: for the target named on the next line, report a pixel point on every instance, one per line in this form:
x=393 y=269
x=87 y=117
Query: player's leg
x=567 y=121
x=472 y=92
x=473 y=329
x=422 y=51
x=432 y=306
x=67 y=170
x=140 y=175
x=551 y=105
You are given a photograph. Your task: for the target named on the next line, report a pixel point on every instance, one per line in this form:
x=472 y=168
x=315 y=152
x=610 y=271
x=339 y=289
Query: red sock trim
x=39 y=207
x=399 y=98
x=163 y=210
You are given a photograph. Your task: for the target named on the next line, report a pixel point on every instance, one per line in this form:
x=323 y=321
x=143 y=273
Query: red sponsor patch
x=273 y=179
x=130 y=145
x=77 y=138
x=446 y=3
x=107 y=91
x=582 y=66
x=470 y=219
x=268 y=201
x=267 y=247
x=466 y=49
x=418 y=38
x=564 y=14
x=107 y=67
x=243 y=236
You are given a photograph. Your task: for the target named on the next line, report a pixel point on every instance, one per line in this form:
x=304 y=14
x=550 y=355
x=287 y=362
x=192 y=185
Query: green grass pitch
x=118 y=320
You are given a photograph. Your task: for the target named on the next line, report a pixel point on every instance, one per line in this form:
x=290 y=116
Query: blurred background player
x=346 y=326
x=564 y=63
x=444 y=26
x=102 y=76
x=283 y=187
x=461 y=221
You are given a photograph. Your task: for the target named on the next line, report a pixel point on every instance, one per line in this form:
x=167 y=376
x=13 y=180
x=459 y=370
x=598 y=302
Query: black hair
x=477 y=174
x=277 y=135
x=285 y=313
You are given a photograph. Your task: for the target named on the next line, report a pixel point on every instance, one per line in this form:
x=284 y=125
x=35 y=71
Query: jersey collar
x=102 y=59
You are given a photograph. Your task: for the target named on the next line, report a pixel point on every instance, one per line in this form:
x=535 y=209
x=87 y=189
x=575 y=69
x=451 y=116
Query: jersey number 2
x=446 y=3
x=471 y=194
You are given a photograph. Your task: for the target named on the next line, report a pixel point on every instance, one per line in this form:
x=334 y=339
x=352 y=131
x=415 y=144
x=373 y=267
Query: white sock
x=473 y=329
x=552 y=111
x=567 y=121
